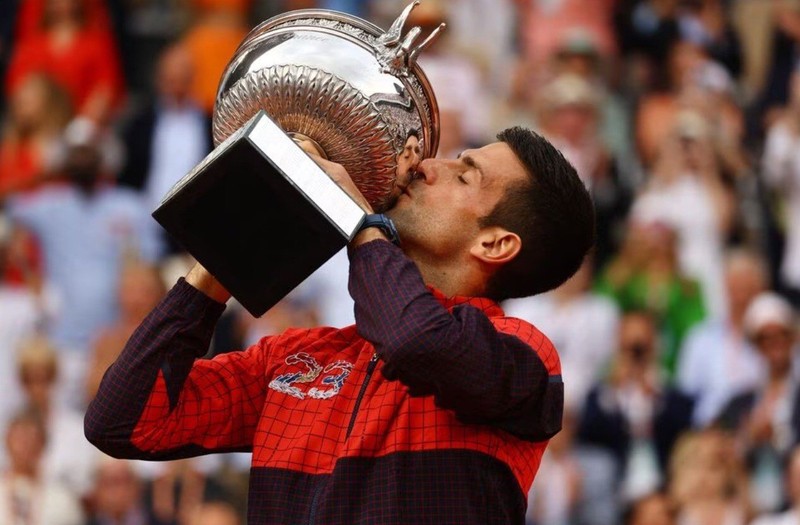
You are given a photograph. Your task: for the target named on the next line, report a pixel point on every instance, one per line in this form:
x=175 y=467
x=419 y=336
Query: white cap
x=768 y=308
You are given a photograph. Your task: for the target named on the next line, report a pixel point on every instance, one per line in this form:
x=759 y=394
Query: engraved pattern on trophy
x=353 y=89
x=309 y=101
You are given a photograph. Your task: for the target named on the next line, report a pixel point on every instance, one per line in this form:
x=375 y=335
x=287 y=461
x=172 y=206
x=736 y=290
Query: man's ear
x=496 y=245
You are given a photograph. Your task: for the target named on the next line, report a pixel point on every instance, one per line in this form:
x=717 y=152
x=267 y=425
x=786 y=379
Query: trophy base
x=259 y=215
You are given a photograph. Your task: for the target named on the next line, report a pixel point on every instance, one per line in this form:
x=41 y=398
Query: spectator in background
x=647 y=30
x=781 y=173
x=579 y=55
x=21 y=314
x=706 y=23
x=781 y=61
x=645 y=276
x=717 y=360
x=87 y=229
x=792 y=515
x=767 y=418
x=166 y=139
x=694 y=83
x=140 y=289
x=634 y=414
x=582 y=325
x=569 y=116
x=38 y=112
x=25 y=497
x=117 y=497
x=706 y=481
x=76 y=55
x=556 y=493
x=211 y=41
x=457 y=82
x=686 y=192
x=68 y=458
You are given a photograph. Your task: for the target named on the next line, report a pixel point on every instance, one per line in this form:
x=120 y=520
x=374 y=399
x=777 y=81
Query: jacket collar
x=487 y=306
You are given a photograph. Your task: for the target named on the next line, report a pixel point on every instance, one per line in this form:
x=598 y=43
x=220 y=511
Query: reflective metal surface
x=354 y=89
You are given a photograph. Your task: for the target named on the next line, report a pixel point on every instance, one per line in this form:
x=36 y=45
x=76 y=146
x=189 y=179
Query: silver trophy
x=252 y=212
x=354 y=90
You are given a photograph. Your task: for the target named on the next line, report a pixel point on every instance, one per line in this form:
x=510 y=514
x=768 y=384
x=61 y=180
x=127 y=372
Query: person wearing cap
x=767 y=417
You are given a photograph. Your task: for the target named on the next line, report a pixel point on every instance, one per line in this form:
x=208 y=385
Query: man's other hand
x=337 y=173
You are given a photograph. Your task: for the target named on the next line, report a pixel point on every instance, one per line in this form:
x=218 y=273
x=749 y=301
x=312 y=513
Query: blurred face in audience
x=637 y=337
x=744 y=279
x=175 y=74
x=684 y=60
x=776 y=342
x=25 y=441
x=661 y=244
x=37 y=381
x=702 y=468
x=117 y=489
x=82 y=166
x=574 y=123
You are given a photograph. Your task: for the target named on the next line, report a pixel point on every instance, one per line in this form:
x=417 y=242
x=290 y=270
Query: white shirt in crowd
x=716 y=364
x=685 y=205
x=583 y=329
x=26 y=503
x=781 y=163
x=179 y=143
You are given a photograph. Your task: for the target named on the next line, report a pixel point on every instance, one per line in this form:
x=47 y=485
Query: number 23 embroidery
x=337 y=373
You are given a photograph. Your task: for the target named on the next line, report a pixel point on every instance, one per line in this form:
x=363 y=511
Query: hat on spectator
x=569 y=90
x=578 y=41
x=767 y=309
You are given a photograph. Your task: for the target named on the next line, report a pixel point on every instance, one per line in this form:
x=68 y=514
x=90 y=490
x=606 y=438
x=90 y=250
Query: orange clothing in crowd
x=241 y=7
x=85 y=67
x=212 y=46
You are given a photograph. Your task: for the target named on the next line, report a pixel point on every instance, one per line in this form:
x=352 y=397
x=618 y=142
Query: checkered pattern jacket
x=430 y=410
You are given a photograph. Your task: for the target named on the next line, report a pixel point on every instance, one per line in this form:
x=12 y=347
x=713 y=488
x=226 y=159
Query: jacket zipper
x=373 y=362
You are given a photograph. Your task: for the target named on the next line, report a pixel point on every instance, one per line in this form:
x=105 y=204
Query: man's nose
x=428 y=170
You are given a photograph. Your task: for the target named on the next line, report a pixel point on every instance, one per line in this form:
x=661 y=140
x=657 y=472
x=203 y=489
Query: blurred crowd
x=678 y=337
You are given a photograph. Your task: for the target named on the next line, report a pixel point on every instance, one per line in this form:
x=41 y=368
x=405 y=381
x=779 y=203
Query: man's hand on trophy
x=337 y=173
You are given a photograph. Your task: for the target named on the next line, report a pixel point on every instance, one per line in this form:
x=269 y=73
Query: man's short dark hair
x=552 y=213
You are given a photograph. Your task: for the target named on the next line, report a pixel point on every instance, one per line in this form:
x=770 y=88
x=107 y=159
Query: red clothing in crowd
x=85 y=66
x=20 y=164
x=31 y=13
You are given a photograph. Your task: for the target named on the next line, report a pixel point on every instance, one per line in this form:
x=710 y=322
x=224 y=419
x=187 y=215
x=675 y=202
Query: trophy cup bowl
x=258 y=212
x=355 y=91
